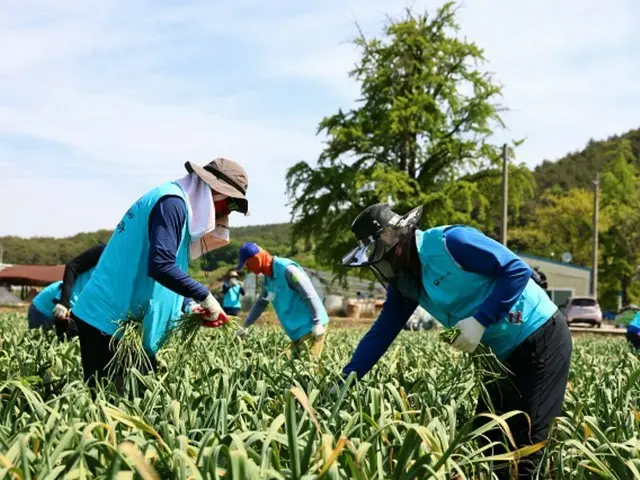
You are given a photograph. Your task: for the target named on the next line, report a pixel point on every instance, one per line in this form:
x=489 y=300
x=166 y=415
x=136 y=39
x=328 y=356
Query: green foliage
x=244 y=410
x=561 y=223
x=578 y=169
x=621 y=241
x=424 y=120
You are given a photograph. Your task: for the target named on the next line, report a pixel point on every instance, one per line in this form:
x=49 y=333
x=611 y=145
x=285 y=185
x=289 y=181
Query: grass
x=229 y=409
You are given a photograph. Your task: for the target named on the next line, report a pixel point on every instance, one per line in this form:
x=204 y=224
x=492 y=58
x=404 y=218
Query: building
x=564 y=280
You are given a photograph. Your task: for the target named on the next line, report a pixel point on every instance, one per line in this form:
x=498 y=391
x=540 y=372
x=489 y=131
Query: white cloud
x=113 y=97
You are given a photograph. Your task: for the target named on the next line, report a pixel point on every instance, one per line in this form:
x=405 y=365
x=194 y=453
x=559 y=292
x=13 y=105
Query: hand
x=220 y=320
x=61 y=312
x=211 y=308
x=470 y=335
x=317 y=330
x=240 y=333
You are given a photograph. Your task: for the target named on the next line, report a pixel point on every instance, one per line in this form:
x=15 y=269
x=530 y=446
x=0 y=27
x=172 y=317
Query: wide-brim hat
x=226 y=177
x=378 y=229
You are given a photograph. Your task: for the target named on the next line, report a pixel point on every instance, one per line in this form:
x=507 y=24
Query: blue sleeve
x=165 y=231
x=477 y=253
x=395 y=313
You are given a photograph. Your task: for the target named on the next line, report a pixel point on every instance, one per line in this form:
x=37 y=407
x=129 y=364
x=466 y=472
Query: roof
x=551 y=260
x=33 y=275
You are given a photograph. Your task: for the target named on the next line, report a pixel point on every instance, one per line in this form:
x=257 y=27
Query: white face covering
x=207 y=232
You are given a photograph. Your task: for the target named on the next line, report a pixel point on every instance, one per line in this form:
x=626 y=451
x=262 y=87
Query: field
x=231 y=410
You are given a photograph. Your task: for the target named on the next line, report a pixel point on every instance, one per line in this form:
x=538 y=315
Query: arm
x=394 y=315
x=475 y=252
x=165 y=231
x=225 y=288
x=77 y=266
x=257 y=310
x=299 y=282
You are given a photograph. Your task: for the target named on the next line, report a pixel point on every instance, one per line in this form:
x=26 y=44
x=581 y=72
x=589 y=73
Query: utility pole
x=505 y=193
x=1 y=252
x=594 y=261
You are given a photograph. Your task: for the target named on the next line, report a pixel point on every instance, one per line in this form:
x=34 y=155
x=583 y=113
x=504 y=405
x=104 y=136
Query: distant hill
x=51 y=251
x=578 y=169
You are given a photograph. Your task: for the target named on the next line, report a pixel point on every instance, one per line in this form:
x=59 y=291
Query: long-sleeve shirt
x=303 y=287
x=474 y=252
x=166 y=222
x=77 y=266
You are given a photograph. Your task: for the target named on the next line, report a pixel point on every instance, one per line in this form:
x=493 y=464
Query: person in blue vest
x=633 y=331
x=295 y=300
x=233 y=291
x=50 y=308
x=467 y=280
x=143 y=269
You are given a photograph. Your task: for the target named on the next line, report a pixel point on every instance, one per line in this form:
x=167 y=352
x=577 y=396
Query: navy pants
x=540 y=367
x=634 y=339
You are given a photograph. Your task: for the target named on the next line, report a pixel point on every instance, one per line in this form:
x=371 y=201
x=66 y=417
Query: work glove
x=471 y=331
x=61 y=312
x=212 y=312
x=211 y=308
x=240 y=333
x=317 y=330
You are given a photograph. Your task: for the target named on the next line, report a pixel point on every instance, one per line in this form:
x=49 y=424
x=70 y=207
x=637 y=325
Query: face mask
x=261 y=262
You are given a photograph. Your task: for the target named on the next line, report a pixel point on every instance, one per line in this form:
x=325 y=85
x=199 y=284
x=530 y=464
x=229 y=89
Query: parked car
x=583 y=310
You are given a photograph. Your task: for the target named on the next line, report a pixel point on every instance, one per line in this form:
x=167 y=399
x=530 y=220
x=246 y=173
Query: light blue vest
x=292 y=311
x=120 y=285
x=451 y=294
x=44 y=301
x=232 y=299
x=634 y=325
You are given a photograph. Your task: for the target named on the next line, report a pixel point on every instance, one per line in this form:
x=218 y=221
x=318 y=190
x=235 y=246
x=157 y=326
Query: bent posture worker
x=465 y=279
x=52 y=305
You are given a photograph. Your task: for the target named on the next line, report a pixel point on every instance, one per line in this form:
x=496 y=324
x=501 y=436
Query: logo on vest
x=515 y=318
x=129 y=215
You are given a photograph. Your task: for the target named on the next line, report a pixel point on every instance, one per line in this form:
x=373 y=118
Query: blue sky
x=100 y=100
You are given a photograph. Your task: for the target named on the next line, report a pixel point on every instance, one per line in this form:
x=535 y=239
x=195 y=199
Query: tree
x=620 y=185
x=561 y=223
x=424 y=120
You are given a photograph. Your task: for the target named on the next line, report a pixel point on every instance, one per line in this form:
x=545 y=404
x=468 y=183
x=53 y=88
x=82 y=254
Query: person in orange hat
x=295 y=300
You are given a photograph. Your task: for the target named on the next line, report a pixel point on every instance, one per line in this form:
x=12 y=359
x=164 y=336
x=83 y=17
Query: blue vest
x=232 y=299
x=634 y=325
x=120 y=285
x=44 y=301
x=292 y=311
x=451 y=294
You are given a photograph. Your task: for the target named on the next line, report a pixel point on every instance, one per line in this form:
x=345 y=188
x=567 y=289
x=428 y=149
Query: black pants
x=66 y=329
x=540 y=367
x=96 y=353
x=634 y=339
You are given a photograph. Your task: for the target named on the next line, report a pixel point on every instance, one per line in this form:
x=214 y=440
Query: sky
x=101 y=100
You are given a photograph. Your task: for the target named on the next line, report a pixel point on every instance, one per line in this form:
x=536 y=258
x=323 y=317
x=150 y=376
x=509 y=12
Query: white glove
x=211 y=307
x=317 y=330
x=240 y=333
x=470 y=335
x=61 y=312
